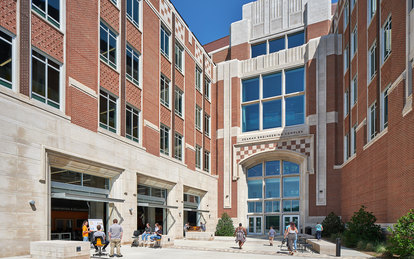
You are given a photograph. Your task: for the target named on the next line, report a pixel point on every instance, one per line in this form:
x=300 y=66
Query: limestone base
x=60 y=249
x=199 y=235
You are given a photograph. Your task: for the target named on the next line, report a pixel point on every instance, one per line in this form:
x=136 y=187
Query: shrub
x=332 y=224
x=380 y=249
x=370 y=247
x=361 y=245
x=402 y=237
x=362 y=227
x=225 y=226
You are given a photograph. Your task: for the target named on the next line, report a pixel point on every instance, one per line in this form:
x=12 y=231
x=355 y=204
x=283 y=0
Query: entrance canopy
x=156 y=205
x=72 y=196
x=196 y=210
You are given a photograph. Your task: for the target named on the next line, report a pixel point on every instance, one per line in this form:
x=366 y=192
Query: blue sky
x=210 y=19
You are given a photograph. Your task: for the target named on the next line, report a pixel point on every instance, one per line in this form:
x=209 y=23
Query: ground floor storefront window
x=273 y=196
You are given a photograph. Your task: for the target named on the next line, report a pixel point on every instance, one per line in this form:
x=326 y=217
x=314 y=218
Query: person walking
x=271 y=234
x=240 y=234
x=115 y=236
x=290 y=233
x=319 y=229
x=85 y=231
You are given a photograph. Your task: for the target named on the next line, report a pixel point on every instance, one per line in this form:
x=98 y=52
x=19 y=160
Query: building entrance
x=255 y=225
x=290 y=218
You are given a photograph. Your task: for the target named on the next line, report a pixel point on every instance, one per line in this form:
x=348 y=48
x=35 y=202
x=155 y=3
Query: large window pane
x=276 y=45
x=295 y=80
x=290 y=168
x=272 y=168
x=38 y=77
x=95 y=181
x=53 y=9
x=250 y=114
x=291 y=187
x=272 y=188
x=272 y=206
x=250 y=89
x=296 y=40
x=272 y=85
x=103 y=109
x=103 y=45
x=272 y=114
x=295 y=110
x=53 y=84
x=295 y=205
x=5 y=59
x=255 y=171
x=250 y=207
x=65 y=176
x=258 y=49
x=273 y=221
x=254 y=189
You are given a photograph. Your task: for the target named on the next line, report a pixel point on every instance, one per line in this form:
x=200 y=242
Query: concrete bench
x=59 y=249
x=190 y=235
x=322 y=247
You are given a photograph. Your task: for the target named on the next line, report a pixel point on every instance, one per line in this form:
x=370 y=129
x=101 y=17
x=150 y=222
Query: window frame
x=45 y=14
x=108 y=98
x=207 y=161
x=372 y=10
x=354 y=91
x=45 y=99
x=207 y=89
x=346 y=103
x=198 y=157
x=385 y=110
x=346 y=15
x=178 y=146
x=353 y=139
x=131 y=16
x=354 y=41
x=164 y=32
x=372 y=119
x=4 y=82
x=178 y=102
x=207 y=124
x=110 y=32
x=385 y=56
x=133 y=111
x=137 y=55
x=199 y=79
x=372 y=52
x=179 y=57
x=198 y=117
x=165 y=95
x=346 y=58
x=165 y=146
x=346 y=147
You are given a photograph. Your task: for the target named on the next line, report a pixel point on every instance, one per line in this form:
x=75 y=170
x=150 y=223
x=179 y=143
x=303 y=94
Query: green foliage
x=332 y=224
x=362 y=227
x=402 y=237
x=225 y=226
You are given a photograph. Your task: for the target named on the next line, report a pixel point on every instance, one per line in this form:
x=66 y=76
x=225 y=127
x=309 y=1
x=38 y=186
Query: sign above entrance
x=274 y=134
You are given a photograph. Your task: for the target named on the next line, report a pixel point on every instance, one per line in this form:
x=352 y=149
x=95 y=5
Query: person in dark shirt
x=158 y=234
x=147 y=232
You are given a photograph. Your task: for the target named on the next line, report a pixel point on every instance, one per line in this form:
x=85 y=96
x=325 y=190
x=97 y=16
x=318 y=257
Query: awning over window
x=155 y=205
x=196 y=210
x=71 y=196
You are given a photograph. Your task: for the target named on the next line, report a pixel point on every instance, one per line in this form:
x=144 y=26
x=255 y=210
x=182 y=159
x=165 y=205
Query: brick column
x=24 y=47
x=123 y=67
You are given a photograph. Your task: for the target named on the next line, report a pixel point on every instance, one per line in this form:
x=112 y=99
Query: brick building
x=115 y=110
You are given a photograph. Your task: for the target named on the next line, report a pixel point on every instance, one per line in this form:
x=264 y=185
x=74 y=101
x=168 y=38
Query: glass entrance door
x=290 y=218
x=255 y=225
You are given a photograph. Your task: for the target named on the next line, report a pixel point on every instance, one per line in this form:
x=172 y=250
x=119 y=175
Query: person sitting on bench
x=157 y=235
x=147 y=232
x=99 y=234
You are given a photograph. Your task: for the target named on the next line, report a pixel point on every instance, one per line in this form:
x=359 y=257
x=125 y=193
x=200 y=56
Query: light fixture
x=32 y=202
x=130 y=210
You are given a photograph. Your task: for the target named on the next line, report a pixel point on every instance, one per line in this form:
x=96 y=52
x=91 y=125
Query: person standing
x=272 y=234
x=319 y=229
x=85 y=231
x=290 y=233
x=240 y=234
x=115 y=236
x=203 y=226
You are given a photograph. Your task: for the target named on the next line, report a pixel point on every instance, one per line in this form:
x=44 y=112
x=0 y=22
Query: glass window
x=255 y=171
x=107 y=111
x=178 y=104
x=254 y=207
x=70 y=177
x=372 y=9
x=164 y=140
x=144 y=190
x=49 y=9
x=250 y=89
x=178 y=147
x=295 y=110
x=290 y=205
x=250 y=117
x=272 y=168
x=95 y=181
x=295 y=40
x=276 y=45
x=346 y=15
x=372 y=62
x=386 y=39
x=372 y=120
x=178 y=57
x=353 y=139
x=290 y=168
x=273 y=221
x=272 y=114
x=291 y=187
x=206 y=161
x=207 y=125
x=272 y=188
x=346 y=59
x=198 y=78
x=346 y=147
x=254 y=189
x=354 y=41
x=45 y=80
x=295 y=80
x=108 y=45
x=272 y=206
x=198 y=114
x=259 y=49
x=132 y=64
x=6 y=61
x=132 y=123
x=207 y=87
x=165 y=42
x=133 y=11
x=353 y=4
x=354 y=90
x=385 y=109
x=165 y=91
x=198 y=157
x=272 y=85
x=346 y=103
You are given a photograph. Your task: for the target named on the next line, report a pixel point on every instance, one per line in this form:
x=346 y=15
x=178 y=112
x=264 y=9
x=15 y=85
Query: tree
x=362 y=227
x=225 y=226
x=332 y=224
x=402 y=237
